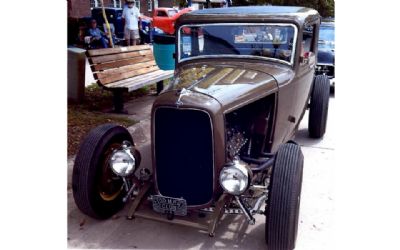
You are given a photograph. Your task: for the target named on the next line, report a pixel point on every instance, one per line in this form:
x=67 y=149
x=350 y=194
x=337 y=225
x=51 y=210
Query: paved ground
x=316 y=215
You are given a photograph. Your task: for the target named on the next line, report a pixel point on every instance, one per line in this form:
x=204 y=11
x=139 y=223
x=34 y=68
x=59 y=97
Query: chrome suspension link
x=129 y=190
x=246 y=211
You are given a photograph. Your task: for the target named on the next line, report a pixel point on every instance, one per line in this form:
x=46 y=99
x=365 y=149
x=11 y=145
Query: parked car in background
x=145 y=31
x=222 y=131
x=114 y=16
x=326 y=50
x=165 y=18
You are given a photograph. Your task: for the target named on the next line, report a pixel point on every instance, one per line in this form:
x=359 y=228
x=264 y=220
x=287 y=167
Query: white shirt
x=131 y=16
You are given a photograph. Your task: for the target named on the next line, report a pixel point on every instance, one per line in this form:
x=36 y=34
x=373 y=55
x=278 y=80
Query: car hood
x=231 y=83
x=326 y=57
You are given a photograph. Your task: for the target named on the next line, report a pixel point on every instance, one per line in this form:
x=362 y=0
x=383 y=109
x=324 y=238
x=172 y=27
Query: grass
x=90 y=114
x=98 y=99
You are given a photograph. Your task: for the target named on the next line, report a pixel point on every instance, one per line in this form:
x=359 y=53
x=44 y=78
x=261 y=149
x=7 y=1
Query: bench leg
x=118 y=100
x=160 y=87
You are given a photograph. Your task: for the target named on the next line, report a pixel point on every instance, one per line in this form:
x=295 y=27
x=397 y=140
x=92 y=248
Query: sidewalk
x=316 y=212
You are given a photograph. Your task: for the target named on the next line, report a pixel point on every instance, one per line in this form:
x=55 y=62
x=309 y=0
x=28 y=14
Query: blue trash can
x=163 y=50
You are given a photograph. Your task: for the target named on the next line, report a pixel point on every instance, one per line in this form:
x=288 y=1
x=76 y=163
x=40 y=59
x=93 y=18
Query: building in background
x=80 y=14
x=82 y=8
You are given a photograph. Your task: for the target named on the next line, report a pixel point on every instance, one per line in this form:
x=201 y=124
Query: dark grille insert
x=184 y=154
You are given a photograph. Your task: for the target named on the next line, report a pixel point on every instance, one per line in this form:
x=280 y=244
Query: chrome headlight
x=122 y=162
x=234 y=178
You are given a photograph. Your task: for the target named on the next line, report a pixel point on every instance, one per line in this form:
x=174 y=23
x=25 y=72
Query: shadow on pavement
x=233 y=232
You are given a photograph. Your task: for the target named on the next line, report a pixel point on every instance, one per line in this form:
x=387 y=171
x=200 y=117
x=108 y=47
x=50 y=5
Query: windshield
x=267 y=41
x=172 y=12
x=326 y=37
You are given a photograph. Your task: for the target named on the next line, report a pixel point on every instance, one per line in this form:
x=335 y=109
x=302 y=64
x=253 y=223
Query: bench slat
x=121 y=56
x=117 y=77
x=117 y=64
x=160 y=77
x=127 y=68
x=122 y=70
x=135 y=83
x=108 y=51
x=126 y=82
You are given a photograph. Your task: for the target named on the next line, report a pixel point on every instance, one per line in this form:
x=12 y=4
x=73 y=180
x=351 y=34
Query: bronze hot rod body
x=222 y=131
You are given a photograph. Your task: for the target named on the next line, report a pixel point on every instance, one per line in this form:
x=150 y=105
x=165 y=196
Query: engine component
x=236 y=141
x=144 y=174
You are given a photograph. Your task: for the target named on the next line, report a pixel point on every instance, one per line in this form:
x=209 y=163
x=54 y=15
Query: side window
x=308 y=39
x=137 y=4
x=117 y=4
x=161 y=13
x=95 y=3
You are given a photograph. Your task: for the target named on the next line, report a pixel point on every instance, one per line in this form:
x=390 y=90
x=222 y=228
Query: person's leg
x=135 y=36
x=127 y=36
x=104 y=42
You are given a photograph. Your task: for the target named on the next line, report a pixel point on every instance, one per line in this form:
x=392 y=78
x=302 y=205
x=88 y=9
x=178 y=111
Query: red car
x=164 y=18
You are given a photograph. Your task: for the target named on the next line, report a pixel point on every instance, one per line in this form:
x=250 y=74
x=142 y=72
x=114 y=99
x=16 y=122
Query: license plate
x=164 y=204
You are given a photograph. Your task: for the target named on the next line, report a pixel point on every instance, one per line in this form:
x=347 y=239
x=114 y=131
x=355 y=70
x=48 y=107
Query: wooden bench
x=126 y=69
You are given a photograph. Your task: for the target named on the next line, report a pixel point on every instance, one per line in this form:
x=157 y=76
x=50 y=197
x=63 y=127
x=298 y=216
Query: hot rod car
x=221 y=132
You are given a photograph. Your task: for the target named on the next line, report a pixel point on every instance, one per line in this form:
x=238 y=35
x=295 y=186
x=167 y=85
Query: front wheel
x=97 y=191
x=282 y=210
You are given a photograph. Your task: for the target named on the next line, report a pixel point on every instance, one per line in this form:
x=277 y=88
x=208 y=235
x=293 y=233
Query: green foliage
x=180 y=3
x=326 y=8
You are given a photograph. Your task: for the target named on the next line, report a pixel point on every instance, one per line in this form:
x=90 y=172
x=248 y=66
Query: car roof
x=287 y=13
x=246 y=10
x=165 y=8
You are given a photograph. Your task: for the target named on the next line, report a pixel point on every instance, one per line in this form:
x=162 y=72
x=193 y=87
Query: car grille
x=184 y=154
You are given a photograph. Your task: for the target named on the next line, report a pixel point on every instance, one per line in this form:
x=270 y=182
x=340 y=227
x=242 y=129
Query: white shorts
x=131 y=34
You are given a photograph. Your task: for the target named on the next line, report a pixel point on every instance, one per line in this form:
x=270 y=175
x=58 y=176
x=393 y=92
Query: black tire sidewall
x=319 y=104
x=282 y=210
x=88 y=167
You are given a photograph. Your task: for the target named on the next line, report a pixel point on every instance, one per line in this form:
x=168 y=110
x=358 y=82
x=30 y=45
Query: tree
x=326 y=8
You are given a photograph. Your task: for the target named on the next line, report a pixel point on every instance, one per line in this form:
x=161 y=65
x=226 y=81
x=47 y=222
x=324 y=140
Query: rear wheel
x=282 y=210
x=97 y=191
x=319 y=104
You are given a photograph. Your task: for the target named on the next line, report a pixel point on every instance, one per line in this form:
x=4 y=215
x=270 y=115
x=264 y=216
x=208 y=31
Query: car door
x=305 y=71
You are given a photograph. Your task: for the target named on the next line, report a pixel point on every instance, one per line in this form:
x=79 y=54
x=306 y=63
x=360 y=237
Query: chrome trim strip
x=291 y=63
x=154 y=151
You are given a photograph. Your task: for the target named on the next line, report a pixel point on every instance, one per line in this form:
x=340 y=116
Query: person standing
x=131 y=16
